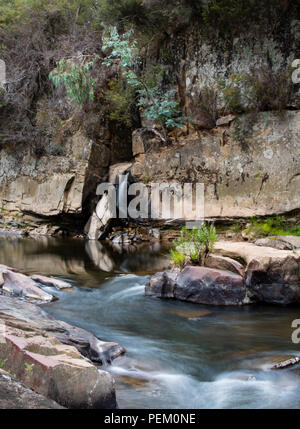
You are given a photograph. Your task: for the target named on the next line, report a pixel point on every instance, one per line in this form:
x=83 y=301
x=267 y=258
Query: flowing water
x=179 y=355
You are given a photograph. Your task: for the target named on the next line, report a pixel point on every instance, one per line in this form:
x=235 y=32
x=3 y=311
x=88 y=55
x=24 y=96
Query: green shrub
x=75 y=75
x=121 y=101
x=194 y=245
x=159 y=106
x=178 y=258
x=273 y=225
x=234 y=93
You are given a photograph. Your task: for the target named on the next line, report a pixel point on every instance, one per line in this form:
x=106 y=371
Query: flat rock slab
x=15 y=395
x=281 y=242
x=248 y=251
x=50 y=281
x=199 y=285
x=85 y=342
x=275 y=243
x=52 y=369
x=17 y=284
x=224 y=263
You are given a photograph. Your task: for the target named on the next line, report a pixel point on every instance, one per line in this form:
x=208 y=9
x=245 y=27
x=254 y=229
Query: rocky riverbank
x=51 y=357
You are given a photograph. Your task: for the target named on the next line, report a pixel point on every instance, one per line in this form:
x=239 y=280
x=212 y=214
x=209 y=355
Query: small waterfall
x=122 y=196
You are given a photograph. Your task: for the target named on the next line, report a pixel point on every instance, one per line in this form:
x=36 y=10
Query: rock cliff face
x=51 y=185
x=246 y=171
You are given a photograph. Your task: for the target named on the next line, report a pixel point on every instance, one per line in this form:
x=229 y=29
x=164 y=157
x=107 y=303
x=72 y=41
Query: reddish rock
x=52 y=369
x=85 y=342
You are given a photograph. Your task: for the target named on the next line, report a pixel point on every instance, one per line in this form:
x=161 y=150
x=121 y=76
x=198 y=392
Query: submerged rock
x=15 y=395
x=189 y=314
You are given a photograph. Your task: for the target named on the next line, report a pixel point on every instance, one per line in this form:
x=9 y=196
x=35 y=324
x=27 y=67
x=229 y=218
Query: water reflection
x=58 y=257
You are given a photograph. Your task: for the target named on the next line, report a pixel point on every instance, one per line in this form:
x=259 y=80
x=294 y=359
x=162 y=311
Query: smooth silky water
x=178 y=355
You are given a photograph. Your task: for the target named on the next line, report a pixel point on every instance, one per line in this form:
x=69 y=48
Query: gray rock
x=275 y=243
x=225 y=120
x=17 y=284
x=287 y=363
x=155 y=233
x=50 y=281
x=291 y=240
x=272 y=275
x=98 y=223
x=239 y=180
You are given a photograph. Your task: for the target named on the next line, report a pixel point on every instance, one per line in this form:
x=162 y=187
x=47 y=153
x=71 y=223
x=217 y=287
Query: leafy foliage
x=194 y=245
x=121 y=101
x=274 y=225
x=158 y=106
x=76 y=78
x=178 y=258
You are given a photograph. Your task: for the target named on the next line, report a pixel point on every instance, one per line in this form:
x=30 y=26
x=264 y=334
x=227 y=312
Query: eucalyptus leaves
x=157 y=105
x=74 y=74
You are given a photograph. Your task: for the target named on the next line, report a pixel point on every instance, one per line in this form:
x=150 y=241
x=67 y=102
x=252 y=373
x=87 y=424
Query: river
x=179 y=355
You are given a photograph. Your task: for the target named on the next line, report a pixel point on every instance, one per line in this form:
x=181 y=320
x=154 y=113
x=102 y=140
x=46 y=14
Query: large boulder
x=15 y=395
x=272 y=275
x=53 y=369
x=85 y=342
x=199 y=285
